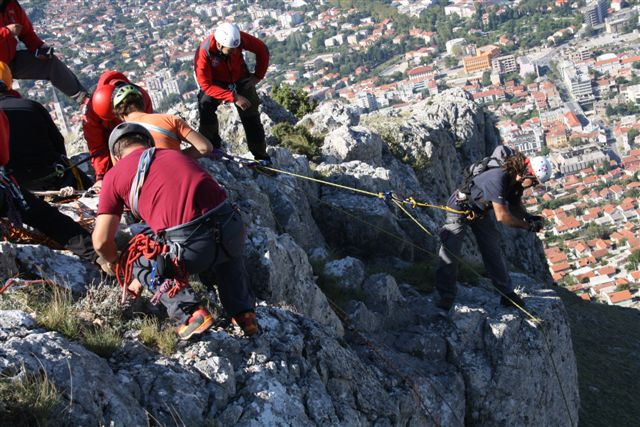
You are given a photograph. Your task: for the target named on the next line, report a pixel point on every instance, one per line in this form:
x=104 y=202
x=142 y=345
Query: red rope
x=142 y=245
x=24 y=283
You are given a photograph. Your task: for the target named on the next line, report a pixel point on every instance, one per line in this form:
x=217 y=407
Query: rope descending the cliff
x=389 y=196
x=384 y=195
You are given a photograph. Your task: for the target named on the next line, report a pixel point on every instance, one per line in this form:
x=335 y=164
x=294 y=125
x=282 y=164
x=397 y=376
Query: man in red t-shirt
x=186 y=208
x=99 y=121
x=223 y=76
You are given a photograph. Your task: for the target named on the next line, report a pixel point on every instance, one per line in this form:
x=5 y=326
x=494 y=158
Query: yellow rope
x=412 y=218
x=380 y=195
x=414 y=203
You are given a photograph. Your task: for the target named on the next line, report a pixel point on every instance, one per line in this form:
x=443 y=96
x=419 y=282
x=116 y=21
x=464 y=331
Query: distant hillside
x=606 y=342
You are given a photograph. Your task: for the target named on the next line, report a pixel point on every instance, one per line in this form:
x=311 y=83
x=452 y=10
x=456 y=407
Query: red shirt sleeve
x=7 y=45
x=257 y=46
x=109 y=201
x=4 y=139
x=27 y=35
x=204 y=71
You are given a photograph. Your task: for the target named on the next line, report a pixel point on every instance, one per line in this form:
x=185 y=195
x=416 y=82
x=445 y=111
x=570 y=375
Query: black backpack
x=500 y=154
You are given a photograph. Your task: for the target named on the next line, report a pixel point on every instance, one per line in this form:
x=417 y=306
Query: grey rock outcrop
x=64 y=268
x=346 y=273
x=352 y=143
x=329 y=116
x=94 y=395
x=281 y=274
x=486 y=365
x=382 y=354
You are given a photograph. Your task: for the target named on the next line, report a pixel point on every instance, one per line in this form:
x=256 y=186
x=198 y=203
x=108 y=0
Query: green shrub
x=293 y=99
x=297 y=139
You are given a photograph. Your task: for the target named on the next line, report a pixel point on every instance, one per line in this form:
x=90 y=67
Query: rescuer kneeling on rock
x=196 y=230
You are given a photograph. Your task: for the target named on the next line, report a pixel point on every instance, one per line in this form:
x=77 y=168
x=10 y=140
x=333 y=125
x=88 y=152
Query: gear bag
x=500 y=154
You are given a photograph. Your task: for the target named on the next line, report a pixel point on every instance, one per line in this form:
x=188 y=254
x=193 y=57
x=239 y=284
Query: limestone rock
x=346 y=273
x=63 y=267
x=329 y=116
x=281 y=275
x=352 y=143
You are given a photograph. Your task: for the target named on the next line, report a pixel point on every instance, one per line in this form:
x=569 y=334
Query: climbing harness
x=168 y=273
x=138 y=181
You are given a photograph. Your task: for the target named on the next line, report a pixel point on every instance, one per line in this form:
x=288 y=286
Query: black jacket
x=35 y=143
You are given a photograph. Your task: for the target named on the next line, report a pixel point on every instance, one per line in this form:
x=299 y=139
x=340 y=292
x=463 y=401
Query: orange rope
x=142 y=245
x=16 y=234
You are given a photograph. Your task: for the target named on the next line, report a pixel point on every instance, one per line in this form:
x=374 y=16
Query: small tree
x=634 y=259
x=450 y=61
x=486 y=78
x=633 y=132
x=530 y=78
x=293 y=99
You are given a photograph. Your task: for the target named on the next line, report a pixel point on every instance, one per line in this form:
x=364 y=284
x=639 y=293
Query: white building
x=504 y=64
x=578 y=82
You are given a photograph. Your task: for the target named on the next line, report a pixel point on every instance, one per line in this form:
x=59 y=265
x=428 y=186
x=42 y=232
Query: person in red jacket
x=37 y=62
x=223 y=76
x=99 y=121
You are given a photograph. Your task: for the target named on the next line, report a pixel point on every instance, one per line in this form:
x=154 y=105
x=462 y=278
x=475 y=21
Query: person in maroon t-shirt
x=186 y=207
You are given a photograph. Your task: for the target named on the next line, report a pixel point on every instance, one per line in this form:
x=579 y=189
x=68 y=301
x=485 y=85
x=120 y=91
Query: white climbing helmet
x=541 y=167
x=228 y=35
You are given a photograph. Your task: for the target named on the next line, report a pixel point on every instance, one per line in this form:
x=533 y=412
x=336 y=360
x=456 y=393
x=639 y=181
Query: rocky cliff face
x=374 y=353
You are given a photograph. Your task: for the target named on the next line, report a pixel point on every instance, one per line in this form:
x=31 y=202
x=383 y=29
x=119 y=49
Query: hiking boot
x=261 y=166
x=248 y=322
x=199 y=322
x=511 y=299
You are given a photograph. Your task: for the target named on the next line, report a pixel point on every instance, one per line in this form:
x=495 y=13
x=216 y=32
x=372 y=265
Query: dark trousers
x=214 y=251
x=250 y=119
x=27 y=67
x=68 y=179
x=55 y=225
x=488 y=238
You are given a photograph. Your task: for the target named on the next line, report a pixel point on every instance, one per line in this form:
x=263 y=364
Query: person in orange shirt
x=168 y=131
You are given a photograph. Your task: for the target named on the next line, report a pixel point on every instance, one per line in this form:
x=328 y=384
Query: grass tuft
x=102 y=340
x=29 y=400
x=163 y=337
x=58 y=314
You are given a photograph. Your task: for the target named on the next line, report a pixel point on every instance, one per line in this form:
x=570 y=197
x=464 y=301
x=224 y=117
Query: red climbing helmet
x=101 y=102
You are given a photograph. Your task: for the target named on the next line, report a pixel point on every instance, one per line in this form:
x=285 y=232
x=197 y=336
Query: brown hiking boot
x=248 y=322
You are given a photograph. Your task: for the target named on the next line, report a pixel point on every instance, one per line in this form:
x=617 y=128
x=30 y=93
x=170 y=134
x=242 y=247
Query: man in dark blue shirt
x=500 y=189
